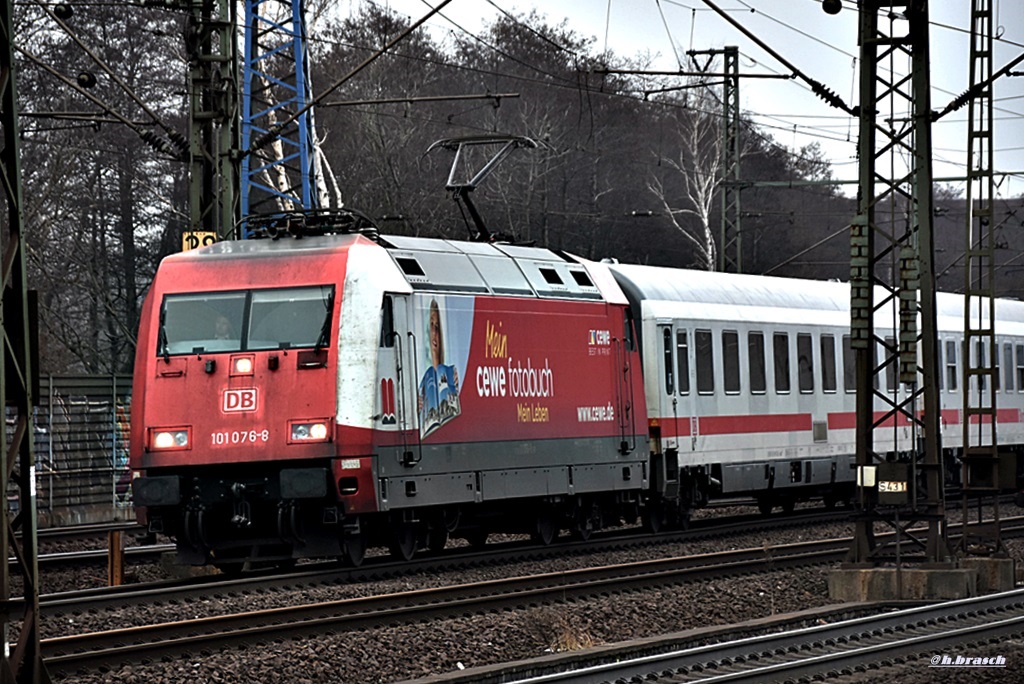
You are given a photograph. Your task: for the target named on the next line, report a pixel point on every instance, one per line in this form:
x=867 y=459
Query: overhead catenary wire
x=277 y=128
x=556 y=80
x=817 y=87
x=497 y=97
x=809 y=131
x=174 y=136
x=668 y=32
x=532 y=30
x=155 y=141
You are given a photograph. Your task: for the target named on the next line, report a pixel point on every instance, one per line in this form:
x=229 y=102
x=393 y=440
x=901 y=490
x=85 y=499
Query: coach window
x=996 y=380
x=938 y=363
x=805 y=362
x=683 y=359
x=731 y=361
x=1008 y=366
x=892 y=360
x=755 y=354
x=981 y=361
x=849 y=366
x=666 y=336
x=951 y=374
x=780 y=344
x=828 y=363
x=705 y=362
x=1020 y=367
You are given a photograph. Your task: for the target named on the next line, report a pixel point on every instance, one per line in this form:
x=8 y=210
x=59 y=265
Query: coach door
x=688 y=403
x=404 y=341
x=668 y=399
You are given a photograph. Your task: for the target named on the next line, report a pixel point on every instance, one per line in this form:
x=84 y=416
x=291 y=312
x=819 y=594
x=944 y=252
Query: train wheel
x=546 y=528
x=764 y=504
x=788 y=504
x=232 y=569
x=588 y=519
x=683 y=519
x=654 y=518
x=437 y=539
x=354 y=549
x=403 y=541
x=477 y=539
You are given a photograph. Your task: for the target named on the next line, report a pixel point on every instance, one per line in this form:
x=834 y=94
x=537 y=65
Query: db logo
x=239 y=400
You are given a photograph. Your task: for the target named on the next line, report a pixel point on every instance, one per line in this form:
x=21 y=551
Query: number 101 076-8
x=226 y=437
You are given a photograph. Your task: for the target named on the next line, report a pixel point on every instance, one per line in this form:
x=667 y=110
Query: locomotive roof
x=442 y=265
x=284 y=247
x=494 y=268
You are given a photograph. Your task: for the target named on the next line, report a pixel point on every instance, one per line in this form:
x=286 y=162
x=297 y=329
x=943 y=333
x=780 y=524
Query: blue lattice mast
x=281 y=173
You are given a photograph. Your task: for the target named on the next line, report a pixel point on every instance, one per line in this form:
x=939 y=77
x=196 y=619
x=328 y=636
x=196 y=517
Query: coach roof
x=655 y=283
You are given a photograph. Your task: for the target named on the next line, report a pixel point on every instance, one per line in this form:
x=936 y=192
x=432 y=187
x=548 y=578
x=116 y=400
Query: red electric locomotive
x=311 y=397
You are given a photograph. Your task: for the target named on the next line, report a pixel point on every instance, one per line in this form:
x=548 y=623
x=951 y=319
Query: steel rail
x=161 y=640
x=383 y=567
x=153 y=641
x=843 y=647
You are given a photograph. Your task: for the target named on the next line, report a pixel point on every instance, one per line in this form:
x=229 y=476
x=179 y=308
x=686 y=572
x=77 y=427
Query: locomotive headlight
x=241 y=365
x=161 y=439
x=309 y=431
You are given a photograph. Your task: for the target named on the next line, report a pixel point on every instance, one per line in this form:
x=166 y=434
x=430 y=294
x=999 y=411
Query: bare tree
x=97 y=194
x=689 y=175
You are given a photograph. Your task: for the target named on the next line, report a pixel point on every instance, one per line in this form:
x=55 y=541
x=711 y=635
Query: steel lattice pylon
x=279 y=166
x=730 y=253
x=893 y=312
x=980 y=352
x=213 y=116
x=22 y=660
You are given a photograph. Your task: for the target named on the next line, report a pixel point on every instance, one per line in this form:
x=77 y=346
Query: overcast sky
x=822 y=46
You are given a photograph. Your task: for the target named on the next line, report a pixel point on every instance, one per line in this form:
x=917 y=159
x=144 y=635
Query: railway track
x=698 y=529
x=86 y=651
x=382 y=567
x=196 y=636
x=848 y=647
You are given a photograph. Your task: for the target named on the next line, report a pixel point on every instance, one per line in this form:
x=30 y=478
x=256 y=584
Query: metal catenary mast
x=280 y=172
x=893 y=289
x=22 y=659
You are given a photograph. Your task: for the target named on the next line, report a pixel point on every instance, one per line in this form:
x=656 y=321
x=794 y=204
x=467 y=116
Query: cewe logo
x=239 y=400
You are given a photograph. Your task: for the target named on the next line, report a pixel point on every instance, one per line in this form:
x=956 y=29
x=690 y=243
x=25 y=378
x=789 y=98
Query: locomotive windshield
x=245 y=320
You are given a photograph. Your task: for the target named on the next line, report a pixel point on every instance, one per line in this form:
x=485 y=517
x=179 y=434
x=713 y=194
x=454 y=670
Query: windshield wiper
x=325 y=329
x=162 y=340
